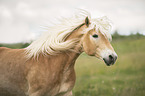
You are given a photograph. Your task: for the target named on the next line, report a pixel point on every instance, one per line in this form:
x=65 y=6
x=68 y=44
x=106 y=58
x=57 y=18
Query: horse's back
x=11 y=72
x=7 y=52
x=2 y=49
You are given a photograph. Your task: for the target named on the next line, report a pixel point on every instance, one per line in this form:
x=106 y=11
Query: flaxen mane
x=53 y=41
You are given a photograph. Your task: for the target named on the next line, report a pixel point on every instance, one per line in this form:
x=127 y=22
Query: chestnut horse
x=46 y=67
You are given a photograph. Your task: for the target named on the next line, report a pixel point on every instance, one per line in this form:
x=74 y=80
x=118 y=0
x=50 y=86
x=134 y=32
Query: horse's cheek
x=89 y=48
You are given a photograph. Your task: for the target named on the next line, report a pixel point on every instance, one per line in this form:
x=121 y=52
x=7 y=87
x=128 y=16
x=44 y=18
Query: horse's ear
x=87 y=21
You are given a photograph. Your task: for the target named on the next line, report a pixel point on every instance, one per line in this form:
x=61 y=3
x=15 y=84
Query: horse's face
x=96 y=44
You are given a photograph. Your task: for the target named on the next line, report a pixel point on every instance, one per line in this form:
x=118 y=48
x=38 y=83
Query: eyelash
x=95 y=36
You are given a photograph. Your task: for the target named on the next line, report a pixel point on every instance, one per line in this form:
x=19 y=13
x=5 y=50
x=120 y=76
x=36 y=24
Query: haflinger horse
x=46 y=66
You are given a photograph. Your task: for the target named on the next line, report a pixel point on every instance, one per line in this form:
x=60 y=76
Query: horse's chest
x=67 y=82
x=65 y=87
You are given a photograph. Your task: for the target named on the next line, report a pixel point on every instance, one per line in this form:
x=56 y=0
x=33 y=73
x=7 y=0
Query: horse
x=46 y=66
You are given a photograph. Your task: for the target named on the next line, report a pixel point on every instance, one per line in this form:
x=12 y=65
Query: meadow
x=125 y=78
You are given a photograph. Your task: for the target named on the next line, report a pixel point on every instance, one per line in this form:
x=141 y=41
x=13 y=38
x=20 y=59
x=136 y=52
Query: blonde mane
x=53 y=41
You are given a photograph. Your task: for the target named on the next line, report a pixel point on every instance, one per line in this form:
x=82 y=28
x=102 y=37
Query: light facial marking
x=106 y=52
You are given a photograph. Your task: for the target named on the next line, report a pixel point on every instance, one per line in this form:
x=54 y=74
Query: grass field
x=125 y=78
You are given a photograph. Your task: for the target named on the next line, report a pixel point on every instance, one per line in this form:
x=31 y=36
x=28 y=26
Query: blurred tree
x=25 y=45
x=116 y=35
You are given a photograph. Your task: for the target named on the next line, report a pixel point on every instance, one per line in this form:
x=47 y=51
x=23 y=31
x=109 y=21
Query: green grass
x=125 y=78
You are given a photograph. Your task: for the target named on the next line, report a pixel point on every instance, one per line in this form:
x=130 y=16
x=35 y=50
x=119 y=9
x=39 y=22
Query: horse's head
x=95 y=43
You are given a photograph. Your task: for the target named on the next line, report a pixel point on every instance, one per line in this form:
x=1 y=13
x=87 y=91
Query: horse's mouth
x=109 y=62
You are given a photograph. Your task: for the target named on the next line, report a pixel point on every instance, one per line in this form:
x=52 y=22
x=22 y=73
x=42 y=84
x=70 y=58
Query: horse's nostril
x=111 y=57
x=110 y=60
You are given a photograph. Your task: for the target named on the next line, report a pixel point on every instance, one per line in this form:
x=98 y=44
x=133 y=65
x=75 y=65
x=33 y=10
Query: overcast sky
x=22 y=20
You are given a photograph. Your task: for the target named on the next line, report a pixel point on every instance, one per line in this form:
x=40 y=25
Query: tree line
x=138 y=35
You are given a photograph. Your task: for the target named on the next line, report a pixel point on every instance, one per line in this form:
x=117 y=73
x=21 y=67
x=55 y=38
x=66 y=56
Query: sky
x=25 y=20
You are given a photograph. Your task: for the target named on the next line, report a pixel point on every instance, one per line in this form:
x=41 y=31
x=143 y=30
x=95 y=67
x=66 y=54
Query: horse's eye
x=95 y=36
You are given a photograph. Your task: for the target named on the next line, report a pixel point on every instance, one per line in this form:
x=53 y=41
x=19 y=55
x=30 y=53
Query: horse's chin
x=108 y=64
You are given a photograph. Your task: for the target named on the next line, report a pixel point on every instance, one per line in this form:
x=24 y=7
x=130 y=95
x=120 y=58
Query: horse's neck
x=71 y=56
x=63 y=61
x=70 y=61
x=68 y=58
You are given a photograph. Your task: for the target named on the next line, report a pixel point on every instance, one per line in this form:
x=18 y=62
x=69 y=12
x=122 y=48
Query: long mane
x=53 y=41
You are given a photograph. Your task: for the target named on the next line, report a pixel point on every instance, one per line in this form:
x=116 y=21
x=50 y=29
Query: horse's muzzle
x=110 y=60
